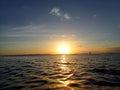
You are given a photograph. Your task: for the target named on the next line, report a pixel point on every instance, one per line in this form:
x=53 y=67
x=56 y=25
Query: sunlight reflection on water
x=66 y=72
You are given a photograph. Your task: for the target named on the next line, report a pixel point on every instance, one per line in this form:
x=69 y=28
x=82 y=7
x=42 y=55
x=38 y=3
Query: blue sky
x=86 y=25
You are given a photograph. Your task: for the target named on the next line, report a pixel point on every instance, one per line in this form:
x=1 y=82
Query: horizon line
x=54 y=54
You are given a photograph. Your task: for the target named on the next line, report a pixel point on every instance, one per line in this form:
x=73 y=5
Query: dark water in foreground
x=60 y=72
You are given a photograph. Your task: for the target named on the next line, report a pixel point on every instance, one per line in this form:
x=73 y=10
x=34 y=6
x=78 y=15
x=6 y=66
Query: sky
x=41 y=26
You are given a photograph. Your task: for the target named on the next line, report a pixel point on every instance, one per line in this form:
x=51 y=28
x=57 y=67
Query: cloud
x=58 y=12
x=42 y=30
x=67 y=17
x=64 y=37
x=55 y=11
x=25 y=31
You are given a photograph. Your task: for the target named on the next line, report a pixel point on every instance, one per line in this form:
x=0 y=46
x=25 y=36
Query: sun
x=64 y=49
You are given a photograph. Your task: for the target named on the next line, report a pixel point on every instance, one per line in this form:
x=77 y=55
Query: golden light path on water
x=67 y=73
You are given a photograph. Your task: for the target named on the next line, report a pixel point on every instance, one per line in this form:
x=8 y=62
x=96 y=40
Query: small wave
x=103 y=82
x=106 y=71
x=74 y=85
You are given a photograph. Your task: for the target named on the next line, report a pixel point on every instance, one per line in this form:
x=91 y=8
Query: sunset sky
x=42 y=26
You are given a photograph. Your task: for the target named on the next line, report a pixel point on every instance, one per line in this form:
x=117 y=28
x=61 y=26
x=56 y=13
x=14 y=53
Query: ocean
x=60 y=72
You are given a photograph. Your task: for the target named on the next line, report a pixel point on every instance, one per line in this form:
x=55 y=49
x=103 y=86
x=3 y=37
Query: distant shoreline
x=59 y=54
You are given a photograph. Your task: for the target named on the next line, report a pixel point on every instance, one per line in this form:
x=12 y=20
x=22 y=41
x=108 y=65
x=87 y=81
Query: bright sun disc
x=63 y=49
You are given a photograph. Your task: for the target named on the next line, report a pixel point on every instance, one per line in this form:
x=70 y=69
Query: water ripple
x=56 y=72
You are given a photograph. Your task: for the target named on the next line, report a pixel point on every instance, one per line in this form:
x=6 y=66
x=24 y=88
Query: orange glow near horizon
x=54 y=48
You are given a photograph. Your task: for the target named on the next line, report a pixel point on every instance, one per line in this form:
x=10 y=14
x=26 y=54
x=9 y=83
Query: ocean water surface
x=60 y=72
